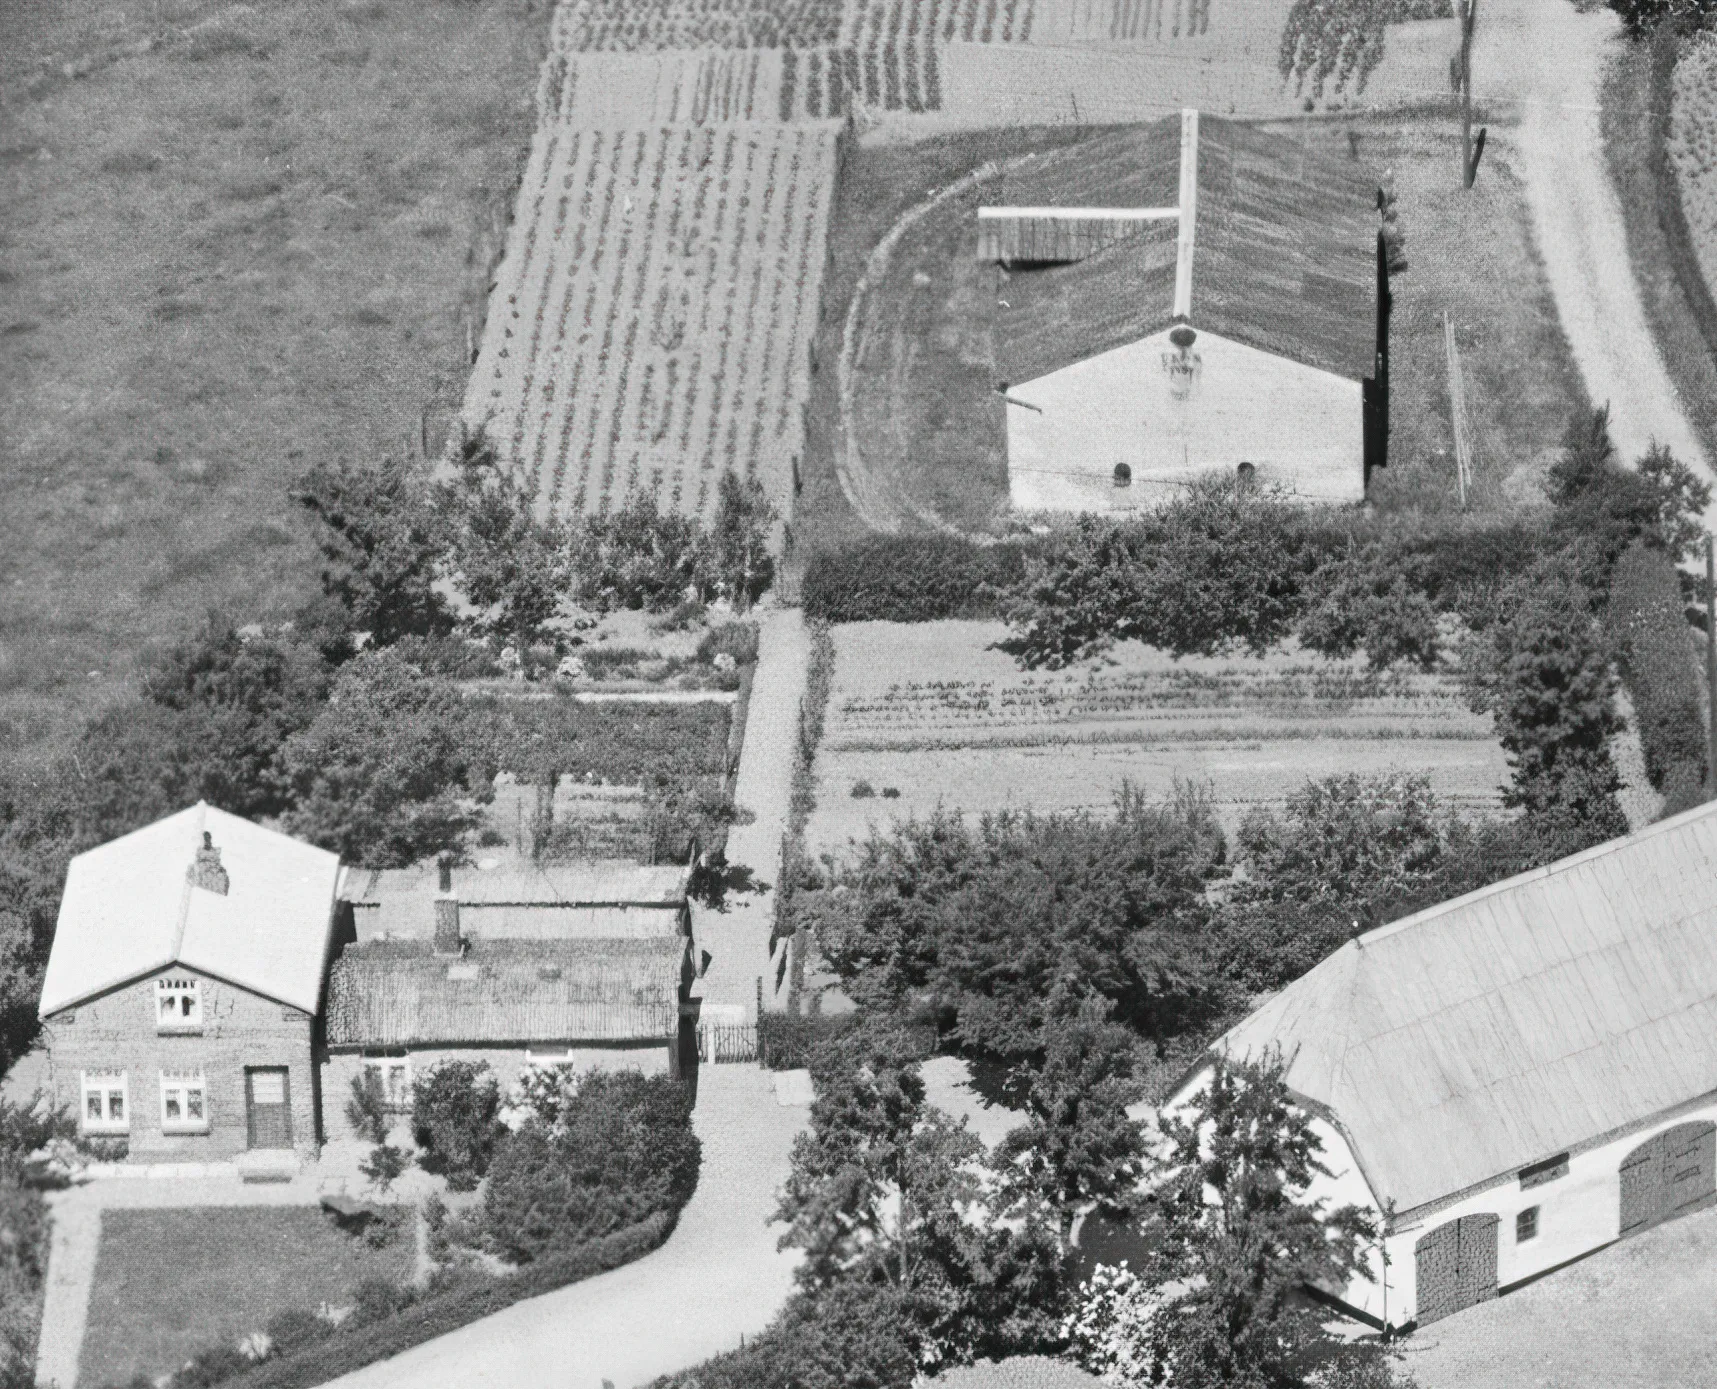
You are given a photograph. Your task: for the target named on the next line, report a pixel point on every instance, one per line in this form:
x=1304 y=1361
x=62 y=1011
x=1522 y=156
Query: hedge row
x=785 y=1041
x=464 y=1299
x=911 y=578
x=1655 y=652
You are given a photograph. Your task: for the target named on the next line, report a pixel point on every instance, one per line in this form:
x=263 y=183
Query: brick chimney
x=447 y=940
x=205 y=870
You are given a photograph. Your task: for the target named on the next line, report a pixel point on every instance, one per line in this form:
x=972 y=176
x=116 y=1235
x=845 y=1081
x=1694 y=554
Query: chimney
x=447 y=941
x=205 y=870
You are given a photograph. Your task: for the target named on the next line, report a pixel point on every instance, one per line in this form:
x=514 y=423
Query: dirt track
x=1547 y=59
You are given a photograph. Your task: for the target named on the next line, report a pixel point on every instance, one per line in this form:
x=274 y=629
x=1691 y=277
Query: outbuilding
x=1516 y=1078
x=184 y=984
x=1195 y=298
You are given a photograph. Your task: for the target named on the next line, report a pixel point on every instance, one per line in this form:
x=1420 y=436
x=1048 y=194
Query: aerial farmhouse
x=1515 y=1078
x=1232 y=320
x=214 y=986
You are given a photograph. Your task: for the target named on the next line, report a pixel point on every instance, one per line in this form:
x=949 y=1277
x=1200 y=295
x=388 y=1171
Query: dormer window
x=178 y=1004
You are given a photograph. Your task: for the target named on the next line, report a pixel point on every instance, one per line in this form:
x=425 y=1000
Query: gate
x=1456 y=1266
x=1667 y=1173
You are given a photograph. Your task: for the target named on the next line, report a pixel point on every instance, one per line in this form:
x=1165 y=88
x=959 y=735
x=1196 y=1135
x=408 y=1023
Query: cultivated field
x=654 y=312
x=930 y=711
x=234 y=241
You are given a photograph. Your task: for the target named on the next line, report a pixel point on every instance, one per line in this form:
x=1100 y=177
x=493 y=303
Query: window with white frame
x=178 y=1004
x=105 y=1109
x=184 y=1102
x=550 y=1056
x=394 y=1075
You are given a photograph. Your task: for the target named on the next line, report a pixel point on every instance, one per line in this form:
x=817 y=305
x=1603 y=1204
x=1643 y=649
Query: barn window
x=1123 y=475
x=1526 y=1225
x=178 y=1004
x=104 y=1107
x=539 y=1056
x=184 y=1102
x=1541 y=1173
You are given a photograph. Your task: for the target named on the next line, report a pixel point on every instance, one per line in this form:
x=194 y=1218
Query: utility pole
x=1710 y=666
x=1461 y=70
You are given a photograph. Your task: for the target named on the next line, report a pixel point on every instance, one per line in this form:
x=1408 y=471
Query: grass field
x=169 y=1283
x=234 y=240
x=933 y=430
x=931 y=712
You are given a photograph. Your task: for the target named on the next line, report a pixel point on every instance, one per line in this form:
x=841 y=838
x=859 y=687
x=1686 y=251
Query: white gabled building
x=1190 y=298
x=1515 y=1078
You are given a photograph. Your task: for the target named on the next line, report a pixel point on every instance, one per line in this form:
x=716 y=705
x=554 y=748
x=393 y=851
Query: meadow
x=932 y=713
x=234 y=241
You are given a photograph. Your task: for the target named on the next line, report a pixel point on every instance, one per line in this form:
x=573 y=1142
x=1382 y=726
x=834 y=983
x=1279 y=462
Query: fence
x=719 y=1042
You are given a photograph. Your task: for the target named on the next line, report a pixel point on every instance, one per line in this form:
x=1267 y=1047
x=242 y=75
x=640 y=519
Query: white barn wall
x=1301 y=428
x=1578 y=1213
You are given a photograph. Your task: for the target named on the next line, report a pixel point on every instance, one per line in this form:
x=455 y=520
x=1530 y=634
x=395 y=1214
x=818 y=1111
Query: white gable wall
x=1173 y=416
x=1577 y=1214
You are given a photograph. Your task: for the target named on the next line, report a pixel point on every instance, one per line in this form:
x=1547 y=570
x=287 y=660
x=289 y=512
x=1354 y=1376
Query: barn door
x=268 y=1107
x=1667 y=1172
x=1456 y=1266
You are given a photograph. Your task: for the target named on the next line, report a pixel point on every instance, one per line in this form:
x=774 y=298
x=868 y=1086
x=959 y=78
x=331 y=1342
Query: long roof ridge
x=1535 y=875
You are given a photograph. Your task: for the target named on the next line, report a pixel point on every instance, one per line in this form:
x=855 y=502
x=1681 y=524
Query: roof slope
x=1509 y=1025
x=402 y=993
x=1283 y=256
x=128 y=909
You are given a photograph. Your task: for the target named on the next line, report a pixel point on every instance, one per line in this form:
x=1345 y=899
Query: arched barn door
x=1666 y=1173
x=1456 y=1266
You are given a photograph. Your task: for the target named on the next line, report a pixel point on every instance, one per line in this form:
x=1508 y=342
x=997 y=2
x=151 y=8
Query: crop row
x=702 y=87
x=654 y=312
x=641 y=26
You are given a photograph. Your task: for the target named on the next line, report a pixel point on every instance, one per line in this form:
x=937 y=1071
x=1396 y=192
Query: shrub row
x=785 y=1041
x=1653 y=647
x=911 y=578
x=462 y=1299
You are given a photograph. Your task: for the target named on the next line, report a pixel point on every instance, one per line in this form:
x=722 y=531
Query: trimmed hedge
x=465 y=1298
x=911 y=578
x=1655 y=652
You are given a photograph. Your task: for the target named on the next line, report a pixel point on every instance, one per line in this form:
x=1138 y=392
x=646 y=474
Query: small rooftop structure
x=202 y=889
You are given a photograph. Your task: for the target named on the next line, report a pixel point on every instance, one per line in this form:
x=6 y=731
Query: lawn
x=1641 y=1314
x=234 y=240
x=928 y=711
x=933 y=432
x=169 y=1283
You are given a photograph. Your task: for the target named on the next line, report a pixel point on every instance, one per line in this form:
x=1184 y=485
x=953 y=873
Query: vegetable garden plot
x=933 y=712
x=654 y=312
x=706 y=86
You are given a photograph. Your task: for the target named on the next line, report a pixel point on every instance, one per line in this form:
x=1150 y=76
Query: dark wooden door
x=268 y=1106
x=1456 y=1266
x=1666 y=1173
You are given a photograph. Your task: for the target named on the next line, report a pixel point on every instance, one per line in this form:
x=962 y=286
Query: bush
x=384 y=1165
x=853 y=1336
x=456 y=1301
x=296 y=1328
x=735 y=639
x=454 y=1109
x=218 y=1364
x=605 y=1151
x=377 y=1299
x=367 y=1110
x=785 y=1040
x=1648 y=627
x=911 y=578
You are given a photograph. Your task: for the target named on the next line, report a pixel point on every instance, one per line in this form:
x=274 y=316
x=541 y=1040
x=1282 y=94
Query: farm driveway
x=1549 y=58
x=719 y=1275
x=1641 y=1314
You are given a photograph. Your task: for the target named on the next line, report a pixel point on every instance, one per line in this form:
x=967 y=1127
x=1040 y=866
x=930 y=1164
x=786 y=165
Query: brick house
x=184 y=986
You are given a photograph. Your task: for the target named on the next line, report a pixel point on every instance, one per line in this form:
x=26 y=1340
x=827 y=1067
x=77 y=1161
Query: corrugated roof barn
x=401 y=993
x=1516 y=1023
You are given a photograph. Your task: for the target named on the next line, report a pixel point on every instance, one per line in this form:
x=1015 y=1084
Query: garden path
x=718 y=1278
x=1548 y=58
x=737 y=939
